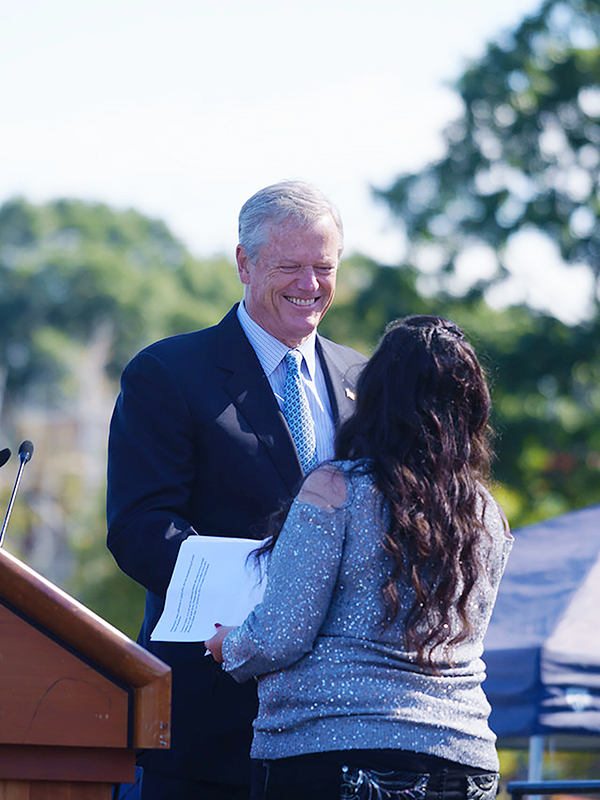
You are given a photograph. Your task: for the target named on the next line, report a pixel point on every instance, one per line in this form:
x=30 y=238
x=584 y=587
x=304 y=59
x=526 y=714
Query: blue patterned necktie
x=297 y=412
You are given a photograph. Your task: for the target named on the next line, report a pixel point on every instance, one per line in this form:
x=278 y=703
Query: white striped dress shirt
x=271 y=353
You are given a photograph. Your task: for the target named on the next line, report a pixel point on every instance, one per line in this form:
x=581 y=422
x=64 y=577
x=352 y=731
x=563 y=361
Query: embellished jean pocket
x=482 y=787
x=368 y=784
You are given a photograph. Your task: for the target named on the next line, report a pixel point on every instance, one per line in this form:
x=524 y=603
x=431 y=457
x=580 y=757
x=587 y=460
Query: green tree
x=368 y=296
x=71 y=272
x=524 y=154
x=82 y=288
x=546 y=399
x=545 y=379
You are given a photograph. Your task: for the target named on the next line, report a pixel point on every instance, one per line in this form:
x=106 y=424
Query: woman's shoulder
x=333 y=484
x=325 y=487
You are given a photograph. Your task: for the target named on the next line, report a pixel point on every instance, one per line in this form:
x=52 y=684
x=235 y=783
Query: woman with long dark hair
x=368 y=643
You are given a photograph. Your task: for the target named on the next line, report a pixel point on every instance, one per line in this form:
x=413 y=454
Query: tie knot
x=293 y=359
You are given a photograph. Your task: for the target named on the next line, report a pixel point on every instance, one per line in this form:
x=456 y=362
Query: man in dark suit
x=199 y=444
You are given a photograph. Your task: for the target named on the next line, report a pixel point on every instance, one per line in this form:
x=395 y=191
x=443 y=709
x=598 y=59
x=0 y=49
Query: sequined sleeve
x=302 y=575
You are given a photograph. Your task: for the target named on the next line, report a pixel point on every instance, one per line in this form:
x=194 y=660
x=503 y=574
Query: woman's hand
x=216 y=643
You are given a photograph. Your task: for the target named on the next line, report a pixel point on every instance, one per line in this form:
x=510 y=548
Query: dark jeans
x=373 y=775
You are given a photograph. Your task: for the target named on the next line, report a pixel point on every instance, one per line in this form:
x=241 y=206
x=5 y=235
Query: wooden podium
x=77 y=696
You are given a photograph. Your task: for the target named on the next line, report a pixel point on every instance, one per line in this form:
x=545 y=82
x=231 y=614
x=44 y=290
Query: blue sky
x=183 y=108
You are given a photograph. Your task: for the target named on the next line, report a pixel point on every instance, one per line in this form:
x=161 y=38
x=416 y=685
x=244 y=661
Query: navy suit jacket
x=198 y=443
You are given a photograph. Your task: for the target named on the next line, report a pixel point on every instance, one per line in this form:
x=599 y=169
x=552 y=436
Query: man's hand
x=216 y=643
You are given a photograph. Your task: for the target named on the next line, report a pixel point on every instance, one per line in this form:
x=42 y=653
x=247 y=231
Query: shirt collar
x=269 y=350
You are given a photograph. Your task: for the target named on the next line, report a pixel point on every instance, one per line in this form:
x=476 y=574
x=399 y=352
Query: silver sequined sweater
x=329 y=676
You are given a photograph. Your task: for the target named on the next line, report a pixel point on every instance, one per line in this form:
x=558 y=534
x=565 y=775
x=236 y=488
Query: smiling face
x=291 y=284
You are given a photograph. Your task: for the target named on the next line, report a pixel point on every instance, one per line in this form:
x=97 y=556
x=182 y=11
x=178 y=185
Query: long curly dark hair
x=421 y=418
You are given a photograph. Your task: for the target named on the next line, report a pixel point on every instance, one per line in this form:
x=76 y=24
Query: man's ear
x=243 y=264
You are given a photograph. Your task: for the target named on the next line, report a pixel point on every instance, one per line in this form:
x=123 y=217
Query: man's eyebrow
x=283 y=262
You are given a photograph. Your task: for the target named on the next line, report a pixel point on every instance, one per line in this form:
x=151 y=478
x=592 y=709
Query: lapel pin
x=350 y=394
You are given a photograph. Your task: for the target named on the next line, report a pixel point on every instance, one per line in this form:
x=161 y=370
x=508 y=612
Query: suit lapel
x=250 y=392
x=340 y=385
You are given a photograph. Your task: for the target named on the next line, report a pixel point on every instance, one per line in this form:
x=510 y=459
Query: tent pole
x=536 y=757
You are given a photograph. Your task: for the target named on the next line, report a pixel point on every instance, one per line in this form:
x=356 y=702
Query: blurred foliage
x=545 y=380
x=368 y=296
x=96 y=579
x=544 y=376
x=557 y=765
x=525 y=153
x=82 y=288
x=523 y=156
x=70 y=270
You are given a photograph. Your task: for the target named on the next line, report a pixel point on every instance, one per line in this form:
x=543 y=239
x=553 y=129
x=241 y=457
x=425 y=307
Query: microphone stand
x=25 y=453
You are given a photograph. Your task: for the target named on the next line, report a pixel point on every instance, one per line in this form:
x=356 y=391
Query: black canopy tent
x=542 y=649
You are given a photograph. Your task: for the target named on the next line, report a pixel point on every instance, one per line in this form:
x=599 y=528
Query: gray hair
x=286 y=200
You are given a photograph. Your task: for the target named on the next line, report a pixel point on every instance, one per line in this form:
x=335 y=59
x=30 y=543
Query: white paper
x=211 y=583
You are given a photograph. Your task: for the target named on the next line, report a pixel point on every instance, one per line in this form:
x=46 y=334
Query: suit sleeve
x=302 y=577
x=150 y=471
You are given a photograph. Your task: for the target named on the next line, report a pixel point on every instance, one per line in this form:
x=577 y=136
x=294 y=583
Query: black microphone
x=25 y=453
x=4 y=456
